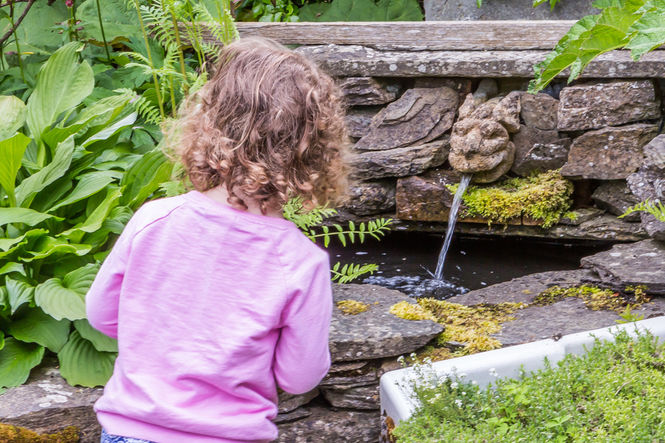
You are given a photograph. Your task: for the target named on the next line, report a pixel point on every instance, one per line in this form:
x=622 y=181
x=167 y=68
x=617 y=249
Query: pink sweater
x=212 y=307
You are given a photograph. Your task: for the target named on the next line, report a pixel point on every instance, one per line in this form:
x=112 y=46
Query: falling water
x=452 y=219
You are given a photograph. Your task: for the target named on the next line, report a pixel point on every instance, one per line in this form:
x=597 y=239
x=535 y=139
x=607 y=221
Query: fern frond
x=160 y=23
x=293 y=210
x=655 y=208
x=350 y=272
x=147 y=109
x=223 y=29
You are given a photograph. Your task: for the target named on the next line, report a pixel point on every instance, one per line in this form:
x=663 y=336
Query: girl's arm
x=101 y=301
x=302 y=357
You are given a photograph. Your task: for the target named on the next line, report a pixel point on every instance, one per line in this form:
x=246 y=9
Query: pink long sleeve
x=212 y=307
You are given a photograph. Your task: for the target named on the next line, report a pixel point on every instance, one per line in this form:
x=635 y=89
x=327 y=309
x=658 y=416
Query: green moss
x=352 y=307
x=16 y=434
x=595 y=298
x=544 y=197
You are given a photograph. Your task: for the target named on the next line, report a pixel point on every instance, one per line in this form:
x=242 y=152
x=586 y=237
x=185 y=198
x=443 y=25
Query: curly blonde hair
x=268 y=126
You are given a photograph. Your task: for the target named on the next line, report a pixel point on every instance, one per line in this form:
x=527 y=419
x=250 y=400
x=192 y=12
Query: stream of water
x=452 y=219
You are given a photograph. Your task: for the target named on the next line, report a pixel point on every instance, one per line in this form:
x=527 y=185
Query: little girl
x=215 y=299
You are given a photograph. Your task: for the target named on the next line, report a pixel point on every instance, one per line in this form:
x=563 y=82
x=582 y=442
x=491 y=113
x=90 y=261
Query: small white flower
x=454 y=385
x=463 y=393
x=493 y=372
x=473 y=382
x=458 y=402
x=462 y=374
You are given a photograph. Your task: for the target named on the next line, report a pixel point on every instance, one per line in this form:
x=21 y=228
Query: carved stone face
x=477 y=145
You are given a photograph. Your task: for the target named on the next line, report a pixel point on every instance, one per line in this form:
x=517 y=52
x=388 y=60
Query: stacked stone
x=343 y=408
x=595 y=132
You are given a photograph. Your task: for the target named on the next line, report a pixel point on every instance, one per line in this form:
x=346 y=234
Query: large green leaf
x=10 y=267
x=351 y=11
x=648 y=32
x=144 y=178
x=400 y=10
x=11 y=154
x=18 y=293
x=66 y=298
x=10 y=245
x=311 y=12
x=37 y=29
x=47 y=246
x=62 y=84
x=26 y=191
x=17 y=360
x=89 y=184
x=96 y=218
x=101 y=342
x=82 y=364
x=35 y=326
x=119 y=23
x=26 y=216
x=13 y=111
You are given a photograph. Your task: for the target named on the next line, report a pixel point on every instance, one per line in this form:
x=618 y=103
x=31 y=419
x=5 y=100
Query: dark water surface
x=407 y=261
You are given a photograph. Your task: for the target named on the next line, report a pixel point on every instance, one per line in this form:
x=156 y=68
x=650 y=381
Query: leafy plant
x=268 y=11
x=655 y=208
x=70 y=180
x=536 y=3
x=638 y=25
x=591 y=397
x=362 y=11
x=311 y=223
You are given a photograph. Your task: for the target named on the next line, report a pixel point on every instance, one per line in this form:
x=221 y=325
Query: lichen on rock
x=409 y=311
x=352 y=307
x=17 y=434
x=594 y=297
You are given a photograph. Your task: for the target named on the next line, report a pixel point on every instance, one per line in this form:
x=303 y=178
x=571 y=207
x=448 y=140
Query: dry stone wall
x=411 y=115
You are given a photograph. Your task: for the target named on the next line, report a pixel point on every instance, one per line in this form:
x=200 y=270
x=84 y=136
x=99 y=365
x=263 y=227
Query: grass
x=613 y=393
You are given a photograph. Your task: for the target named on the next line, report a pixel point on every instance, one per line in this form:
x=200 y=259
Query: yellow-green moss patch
x=595 y=298
x=409 y=311
x=16 y=434
x=544 y=197
x=352 y=307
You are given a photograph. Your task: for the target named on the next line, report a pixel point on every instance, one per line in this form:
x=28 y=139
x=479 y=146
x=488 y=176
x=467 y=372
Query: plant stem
x=18 y=48
x=180 y=55
x=101 y=27
x=152 y=65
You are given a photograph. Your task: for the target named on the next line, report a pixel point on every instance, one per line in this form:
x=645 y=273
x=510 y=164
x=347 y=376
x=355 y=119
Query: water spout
x=452 y=219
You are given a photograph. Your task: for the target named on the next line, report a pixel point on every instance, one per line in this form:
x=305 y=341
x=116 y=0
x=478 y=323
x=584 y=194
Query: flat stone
x=367 y=375
x=539 y=111
x=375 y=333
x=608 y=153
x=371 y=197
x=461 y=85
x=505 y=10
x=524 y=289
x=289 y=402
x=358 y=120
x=538 y=150
x=359 y=397
x=641 y=263
x=326 y=425
x=648 y=183
x=289 y=417
x=615 y=197
x=363 y=91
x=358 y=61
x=398 y=162
x=565 y=317
x=420 y=115
x=594 y=106
x=46 y=403
x=581 y=215
x=606 y=227
x=426 y=197
x=336 y=368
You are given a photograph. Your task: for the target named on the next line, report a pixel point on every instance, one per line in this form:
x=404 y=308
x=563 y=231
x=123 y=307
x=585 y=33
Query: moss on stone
x=352 y=307
x=595 y=298
x=409 y=311
x=16 y=434
x=544 y=197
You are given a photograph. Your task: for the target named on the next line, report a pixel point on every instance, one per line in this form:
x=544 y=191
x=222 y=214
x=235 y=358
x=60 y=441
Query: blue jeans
x=108 y=438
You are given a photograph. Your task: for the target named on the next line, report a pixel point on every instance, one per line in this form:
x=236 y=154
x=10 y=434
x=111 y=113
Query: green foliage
x=310 y=221
x=362 y=11
x=545 y=197
x=638 y=25
x=65 y=190
x=268 y=11
x=656 y=208
x=582 y=399
x=536 y=3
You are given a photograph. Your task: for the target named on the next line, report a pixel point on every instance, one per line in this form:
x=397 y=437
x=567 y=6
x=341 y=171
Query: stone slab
x=640 y=263
x=326 y=425
x=648 y=183
x=359 y=397
x=368 y=91
x=505 y=10
x=358 y=120
x=425 y=197
x=398 y=162
x=371 y=197
x=375 y=333
x=616 y=198
x=355 y=60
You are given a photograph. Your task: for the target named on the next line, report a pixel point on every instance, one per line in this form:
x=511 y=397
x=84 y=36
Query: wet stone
x=606 y=227
x=615 y=197
x=426 y=197
x=609 y=153
x=648 y=183
x=640 y=263
x=368 y=91
x=581 y=215
x=594 y=106
x=371 y=197
x=420 y=115
x=375 y=333
x=398 y=162
x=539 y=111
x=538 y=150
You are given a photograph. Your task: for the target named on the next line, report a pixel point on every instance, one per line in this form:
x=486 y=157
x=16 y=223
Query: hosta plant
x=69 y=179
